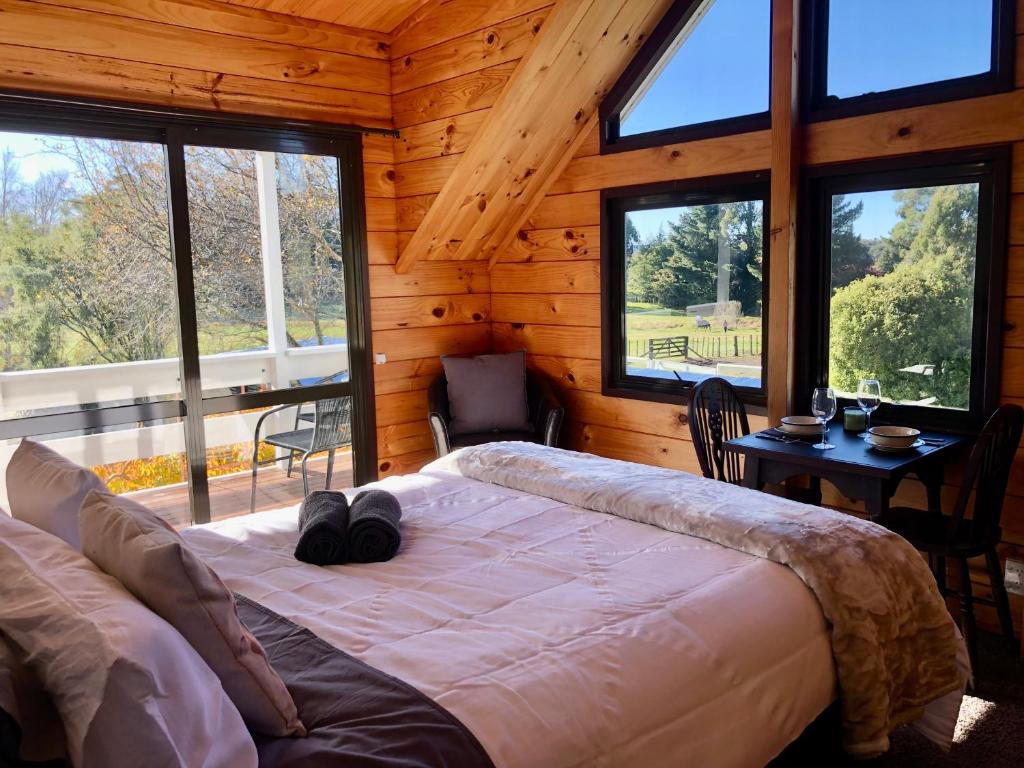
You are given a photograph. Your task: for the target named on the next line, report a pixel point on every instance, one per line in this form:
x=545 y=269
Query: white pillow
x=38 y=733
x=130 y=690
x=153 y=562
x=46 y=490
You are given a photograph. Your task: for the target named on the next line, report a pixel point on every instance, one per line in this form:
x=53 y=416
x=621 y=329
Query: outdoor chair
x=331 y=430
x=716 y=415
x=960 y=537
x=309 y=415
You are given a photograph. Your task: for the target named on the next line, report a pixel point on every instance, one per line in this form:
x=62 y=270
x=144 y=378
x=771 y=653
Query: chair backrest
x=717 y=415
x=986 y=475
x=333 y=425
x=438 y=396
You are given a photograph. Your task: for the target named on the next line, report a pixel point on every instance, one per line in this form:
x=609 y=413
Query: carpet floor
x=989 y=733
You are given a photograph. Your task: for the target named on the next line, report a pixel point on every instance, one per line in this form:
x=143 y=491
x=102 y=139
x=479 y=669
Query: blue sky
x=876 y=220
x=32 y=157
x=877 y=45
x=720 y=71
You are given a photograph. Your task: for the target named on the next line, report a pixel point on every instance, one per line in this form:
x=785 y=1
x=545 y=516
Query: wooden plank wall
x=447 y=70
x=438 y=308
x=196 y=54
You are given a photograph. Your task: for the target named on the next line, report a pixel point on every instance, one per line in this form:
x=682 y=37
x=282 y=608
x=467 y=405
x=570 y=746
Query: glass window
x=144 y=460
x=92 y=290
x=87 y=309
x=901 y=308
x=879 y=45
x=910 y=257
x=88 y=319
x=876 y=54
x=712 y=64
x=268 y=269
x=690 y=286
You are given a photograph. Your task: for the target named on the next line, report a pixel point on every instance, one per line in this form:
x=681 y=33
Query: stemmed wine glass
x=823 y=406
x=869 y=397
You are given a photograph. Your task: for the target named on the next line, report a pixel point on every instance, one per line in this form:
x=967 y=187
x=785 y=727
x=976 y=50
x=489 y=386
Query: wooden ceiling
x=378 y=15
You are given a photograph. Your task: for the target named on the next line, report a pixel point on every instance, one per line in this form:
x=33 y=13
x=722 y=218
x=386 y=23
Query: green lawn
x=649 y=321
x=227 y=337
x=214 y=338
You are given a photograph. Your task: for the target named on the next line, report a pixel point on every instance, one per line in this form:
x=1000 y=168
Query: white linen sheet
x=559 y=636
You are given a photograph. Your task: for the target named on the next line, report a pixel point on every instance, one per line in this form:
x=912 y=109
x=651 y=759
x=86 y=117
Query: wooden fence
x=707 y=346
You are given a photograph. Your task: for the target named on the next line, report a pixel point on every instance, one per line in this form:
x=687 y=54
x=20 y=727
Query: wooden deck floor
x=229 y=494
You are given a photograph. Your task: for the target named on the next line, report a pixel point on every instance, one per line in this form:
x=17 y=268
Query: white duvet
x=559 y=636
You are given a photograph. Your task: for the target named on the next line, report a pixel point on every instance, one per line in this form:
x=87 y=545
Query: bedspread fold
x=893 y=641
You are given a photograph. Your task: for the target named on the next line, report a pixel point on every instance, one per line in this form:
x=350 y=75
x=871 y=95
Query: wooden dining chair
x=960 y=538
x=716 y=415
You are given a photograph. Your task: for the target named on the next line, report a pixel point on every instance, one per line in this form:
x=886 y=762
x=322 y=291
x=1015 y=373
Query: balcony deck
x=229 y=494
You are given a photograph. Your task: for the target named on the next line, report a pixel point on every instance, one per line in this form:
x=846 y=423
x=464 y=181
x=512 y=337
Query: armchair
x=546 y=415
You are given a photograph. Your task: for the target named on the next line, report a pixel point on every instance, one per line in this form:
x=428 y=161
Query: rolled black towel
x=373 y=533
x=323 y=529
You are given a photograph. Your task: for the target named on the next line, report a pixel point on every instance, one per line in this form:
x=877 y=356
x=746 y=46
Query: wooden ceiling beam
x=531 y=133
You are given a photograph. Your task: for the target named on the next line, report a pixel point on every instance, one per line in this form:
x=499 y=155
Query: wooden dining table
x=859 y=471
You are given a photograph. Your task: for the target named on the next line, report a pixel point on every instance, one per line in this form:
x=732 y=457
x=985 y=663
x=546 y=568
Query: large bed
x=545 y=609
x=561 y=635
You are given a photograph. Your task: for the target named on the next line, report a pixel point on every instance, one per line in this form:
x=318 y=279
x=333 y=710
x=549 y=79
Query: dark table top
x=851 y=454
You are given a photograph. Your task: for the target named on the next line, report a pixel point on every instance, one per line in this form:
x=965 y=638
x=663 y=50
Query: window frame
x=615 y=202
x=990 y=168
x=816 y=105
x=661 y=39
x=173 y=129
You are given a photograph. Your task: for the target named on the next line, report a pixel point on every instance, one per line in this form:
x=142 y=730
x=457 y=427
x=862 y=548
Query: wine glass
x=869 y=397
x=823 y=406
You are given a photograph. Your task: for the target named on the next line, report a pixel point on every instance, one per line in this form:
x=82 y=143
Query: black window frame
x=990 y=168
x=174 y=129
x=636 y=72
x=816 y=105
x=615 y=203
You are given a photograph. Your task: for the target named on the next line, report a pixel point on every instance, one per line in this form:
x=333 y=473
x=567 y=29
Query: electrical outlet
x=1014 y=577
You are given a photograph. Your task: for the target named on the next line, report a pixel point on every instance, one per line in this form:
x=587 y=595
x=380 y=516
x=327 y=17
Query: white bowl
x=800 y=425
x=893 y=437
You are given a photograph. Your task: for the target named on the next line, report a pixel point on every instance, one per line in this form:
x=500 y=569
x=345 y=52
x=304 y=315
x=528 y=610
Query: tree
x=86 y=270
x=227 y=260
x=851 y=257
x=48 y=198
x=913 y=203
x=694 y=240
x=311 y=242
x=11 y=186
x=632 y=238
x=679 y=268
x=744 y=222
x=29 y=325
x=919 y=313
x=647 y=279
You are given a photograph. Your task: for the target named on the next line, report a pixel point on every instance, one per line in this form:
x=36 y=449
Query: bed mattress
x=559 y=636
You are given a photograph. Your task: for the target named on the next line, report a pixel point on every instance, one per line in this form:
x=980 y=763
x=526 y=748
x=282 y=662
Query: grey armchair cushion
x=487 y=393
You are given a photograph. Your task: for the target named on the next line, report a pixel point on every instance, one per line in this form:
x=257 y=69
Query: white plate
x=801 y=430
x=888 y=449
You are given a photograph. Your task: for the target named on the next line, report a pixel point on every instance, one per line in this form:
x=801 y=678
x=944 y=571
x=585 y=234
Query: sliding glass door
x=165 y=289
